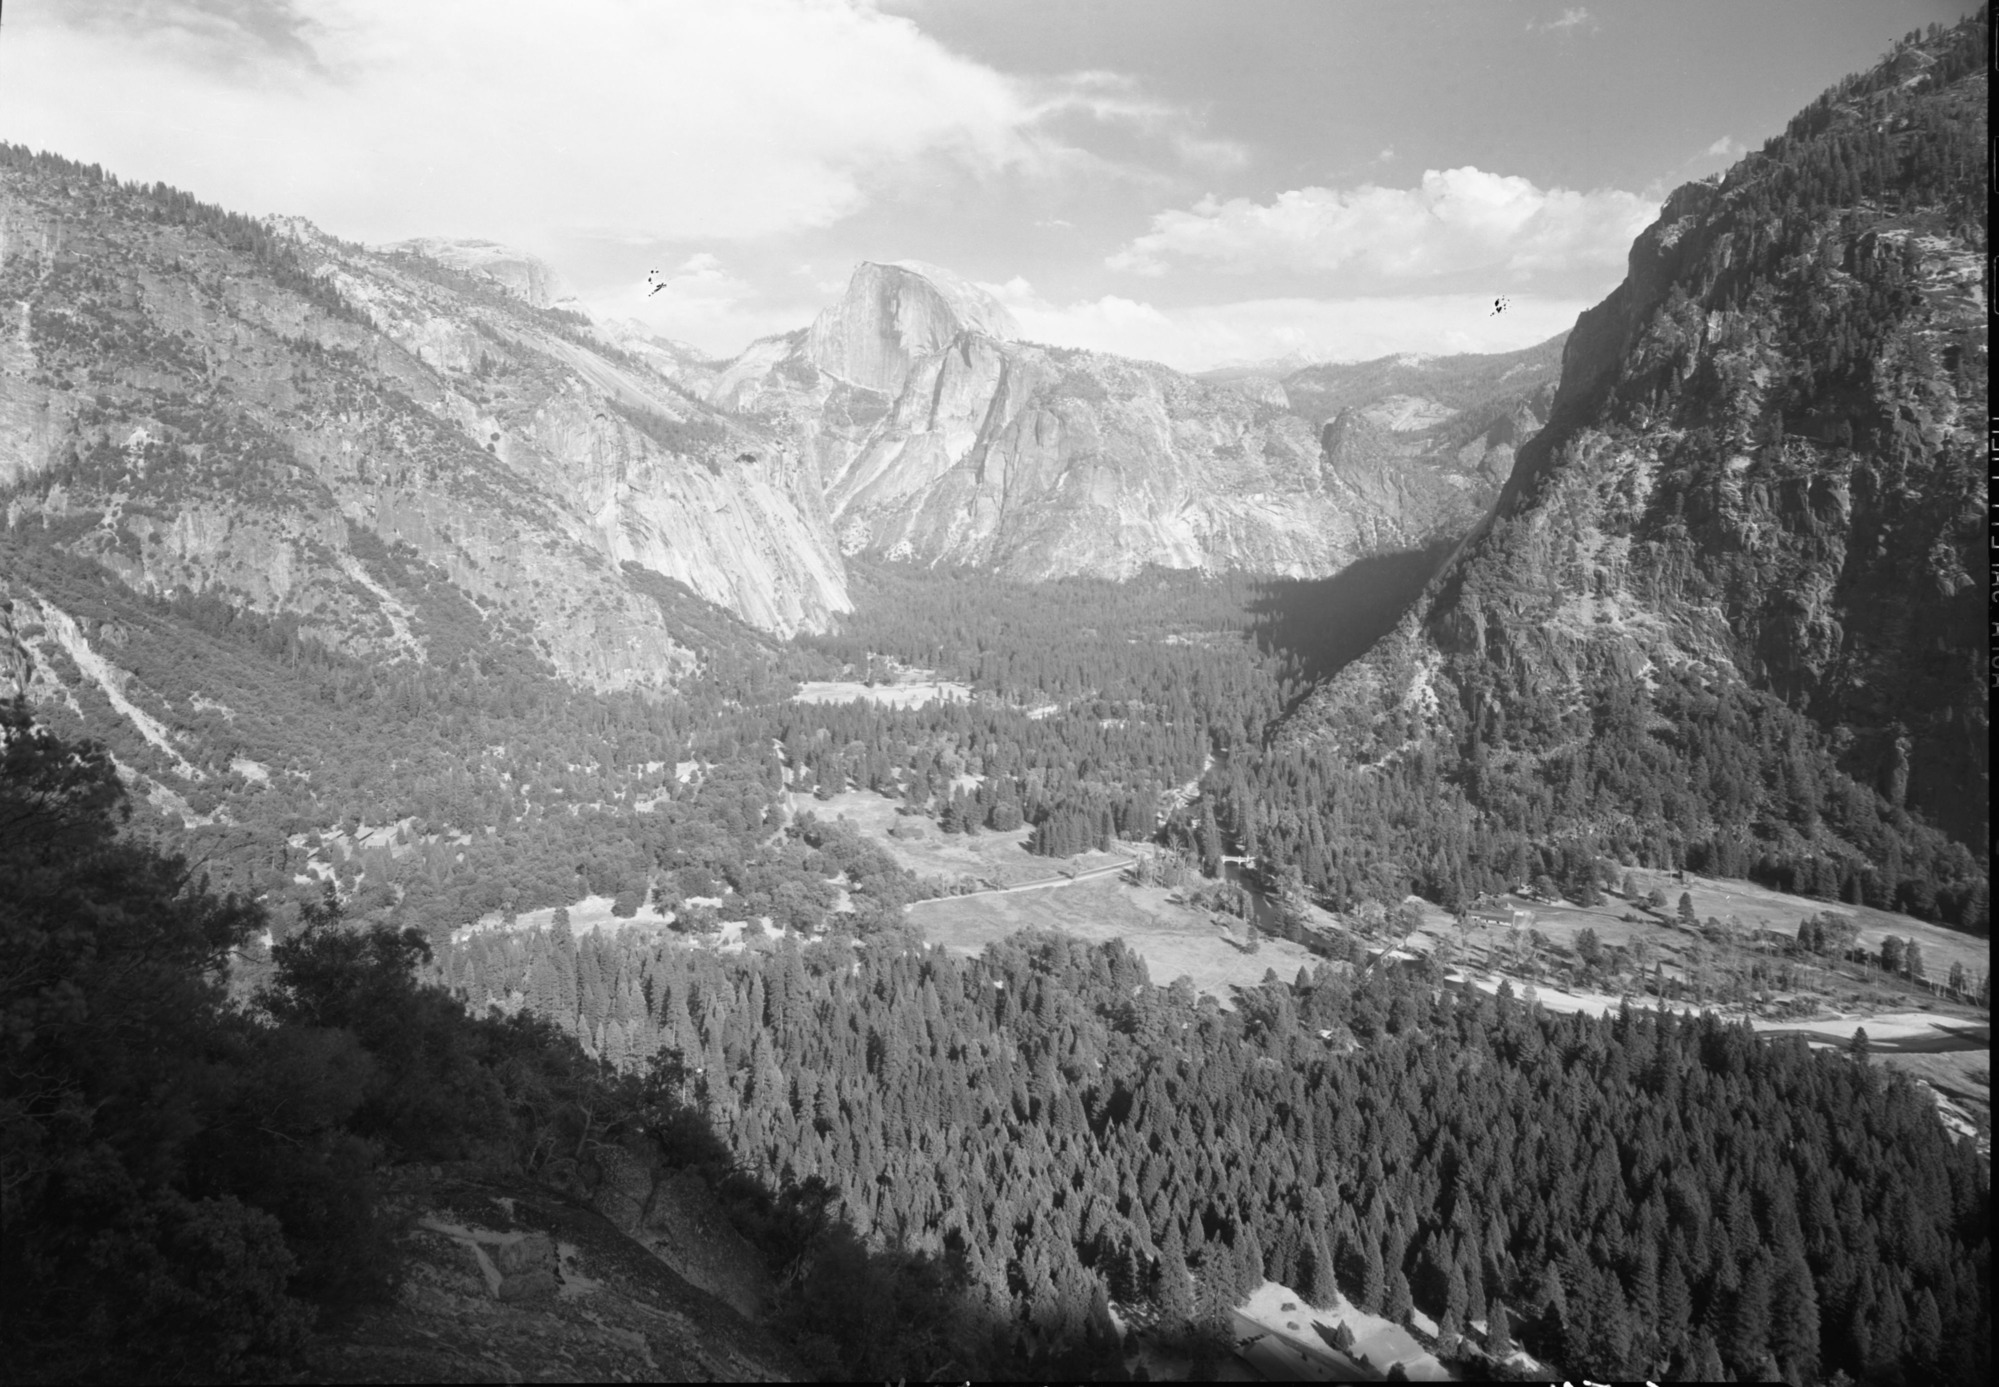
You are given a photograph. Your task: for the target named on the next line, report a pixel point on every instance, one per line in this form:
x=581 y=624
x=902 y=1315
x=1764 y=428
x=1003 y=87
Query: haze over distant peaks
x=528 y=277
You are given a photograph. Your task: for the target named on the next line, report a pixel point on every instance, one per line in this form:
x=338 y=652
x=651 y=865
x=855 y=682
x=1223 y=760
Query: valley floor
x=1944 y=1044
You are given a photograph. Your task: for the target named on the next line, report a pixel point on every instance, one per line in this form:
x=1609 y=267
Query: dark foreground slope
x=1727 y=610
x=352 y=1178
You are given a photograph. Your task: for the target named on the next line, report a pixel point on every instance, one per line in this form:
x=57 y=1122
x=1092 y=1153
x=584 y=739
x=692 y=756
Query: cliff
x=1762 y=473
x=939 y=438
x=204 y=403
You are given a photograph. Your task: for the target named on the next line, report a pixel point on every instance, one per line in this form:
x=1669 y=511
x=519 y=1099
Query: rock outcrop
x=893 y=316
x=506 y=1281
x=675 y=1216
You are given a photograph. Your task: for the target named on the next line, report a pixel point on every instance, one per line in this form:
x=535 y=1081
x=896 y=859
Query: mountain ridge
x=198 y=399
x=1754 y=434
x=942 y=438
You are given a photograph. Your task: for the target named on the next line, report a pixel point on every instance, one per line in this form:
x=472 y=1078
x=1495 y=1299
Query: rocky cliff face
x=505 y=1280
x=941 y=439
x=894 y=316
x=200 y=402
x=1762 y=471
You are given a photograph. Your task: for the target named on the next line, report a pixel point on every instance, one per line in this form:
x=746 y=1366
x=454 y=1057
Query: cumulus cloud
x=677 y=120
x=1349 y=329
x=1727 y=147
x=1457 y=221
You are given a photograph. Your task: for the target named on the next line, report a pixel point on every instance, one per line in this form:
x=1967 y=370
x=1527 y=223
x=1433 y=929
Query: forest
x=1023 y=1140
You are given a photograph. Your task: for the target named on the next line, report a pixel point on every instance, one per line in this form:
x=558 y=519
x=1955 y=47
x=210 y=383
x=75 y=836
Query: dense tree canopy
x=1644 y=1190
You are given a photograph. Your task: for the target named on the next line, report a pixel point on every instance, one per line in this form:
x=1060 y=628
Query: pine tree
x=1373 y=1277
x=1747 y=1322
x=1398 y=1303
x=1926 y=1330
x=1456 y=1298
x=1174 y=1292
x=1321 y=1293
x=1214 y=1285
x=1474 y=1283
x=1498 y=1331
x=1794 y=1326
x=1551 y=1297
x=1676 y=1307
x=1704 y=1363
x=1249 y=1261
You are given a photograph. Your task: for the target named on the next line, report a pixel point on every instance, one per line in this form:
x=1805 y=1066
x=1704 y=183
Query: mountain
x=376 y=443
x=383 y=443
x=1436 y=384
x=941 y=438
x=532 y=280
x=1743 y=556
x=687 y=366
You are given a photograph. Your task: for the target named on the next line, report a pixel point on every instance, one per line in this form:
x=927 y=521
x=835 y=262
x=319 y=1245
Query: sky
x=1190 y=181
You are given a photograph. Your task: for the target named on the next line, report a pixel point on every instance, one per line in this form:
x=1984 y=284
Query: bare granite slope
x=201 y=402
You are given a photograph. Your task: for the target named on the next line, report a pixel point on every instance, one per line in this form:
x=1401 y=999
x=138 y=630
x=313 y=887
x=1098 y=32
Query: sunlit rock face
x=893 y=316
x=405 y=448
x=939 y=437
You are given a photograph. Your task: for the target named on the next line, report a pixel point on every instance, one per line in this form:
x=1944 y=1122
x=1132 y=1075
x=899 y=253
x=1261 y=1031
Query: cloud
x=1196 y=338
x=702 y=302
x=227 y=35
x=1457 y=222
x=1569 y=20
x=1728 y=147
x=681 y=120
x=1112 y=98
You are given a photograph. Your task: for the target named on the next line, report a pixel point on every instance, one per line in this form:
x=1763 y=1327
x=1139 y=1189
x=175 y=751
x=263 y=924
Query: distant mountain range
x=942 y=438
x=299 y=425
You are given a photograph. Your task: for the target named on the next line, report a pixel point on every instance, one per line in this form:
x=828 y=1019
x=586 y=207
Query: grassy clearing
x=999 y=858
x=1757 y=911
x=1942 y=1042
x=912 y=689
x=1172 y=939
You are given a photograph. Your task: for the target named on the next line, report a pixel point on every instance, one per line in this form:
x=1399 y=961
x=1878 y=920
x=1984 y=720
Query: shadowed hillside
x=1325 y=623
